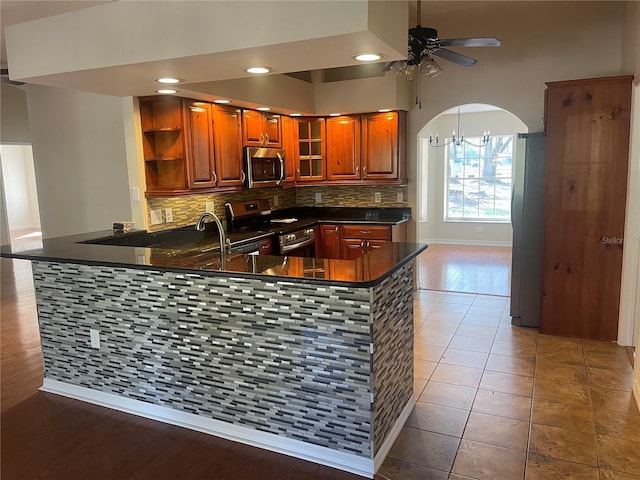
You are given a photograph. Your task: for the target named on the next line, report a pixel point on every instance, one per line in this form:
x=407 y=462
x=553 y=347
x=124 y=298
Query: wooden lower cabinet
x=587 y=129
x=328 y=241
x=360 y=239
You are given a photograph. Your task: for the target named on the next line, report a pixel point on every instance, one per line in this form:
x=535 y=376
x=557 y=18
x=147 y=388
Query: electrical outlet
x=95 y=338
x=377 y=197
x=210 y=206
x=135 y=194
x=156 y=217
x=318 y=197
x=400 y=197
x=276 y=200
x=168 y=215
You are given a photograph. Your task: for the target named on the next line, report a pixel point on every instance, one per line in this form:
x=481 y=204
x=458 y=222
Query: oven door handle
x=293 y=246
x=281 y=179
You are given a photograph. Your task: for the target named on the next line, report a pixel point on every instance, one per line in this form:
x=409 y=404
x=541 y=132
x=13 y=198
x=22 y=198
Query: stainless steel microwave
x=265 y=167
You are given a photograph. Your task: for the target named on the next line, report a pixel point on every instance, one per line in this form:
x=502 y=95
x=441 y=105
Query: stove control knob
x=308 y=231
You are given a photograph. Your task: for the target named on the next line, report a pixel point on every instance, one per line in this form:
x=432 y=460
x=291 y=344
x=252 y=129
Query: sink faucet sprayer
x=225 y=243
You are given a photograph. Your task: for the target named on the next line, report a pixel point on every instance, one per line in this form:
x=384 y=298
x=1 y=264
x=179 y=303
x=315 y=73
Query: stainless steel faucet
x=225 y=243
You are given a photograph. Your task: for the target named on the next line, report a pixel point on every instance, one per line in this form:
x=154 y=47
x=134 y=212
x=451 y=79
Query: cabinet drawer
x=375 y=232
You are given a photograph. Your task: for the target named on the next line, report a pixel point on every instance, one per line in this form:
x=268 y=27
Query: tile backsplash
x=186 y=209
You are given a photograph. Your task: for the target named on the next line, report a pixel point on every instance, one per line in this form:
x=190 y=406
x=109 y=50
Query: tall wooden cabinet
x=587 y=125
x=227 y=138
x=343 y=147
x=200 y=153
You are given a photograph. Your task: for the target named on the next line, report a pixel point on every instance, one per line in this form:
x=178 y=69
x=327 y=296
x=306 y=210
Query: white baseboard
x=268 y=441
x=393 y=433
x=479 y=243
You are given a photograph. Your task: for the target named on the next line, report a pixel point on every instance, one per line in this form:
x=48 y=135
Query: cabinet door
x=588 y=129
x=227 y=135
x=343 y=148
x=328 y=241
x=381 y=147
x=352 y=248
x=272 y=130
x=367 y=232
x=200 y=148
x=289 y=139
x=252 y=131
x=310 y=153
x=265 y=247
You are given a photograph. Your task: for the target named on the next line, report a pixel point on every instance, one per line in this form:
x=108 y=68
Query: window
x=478 y=180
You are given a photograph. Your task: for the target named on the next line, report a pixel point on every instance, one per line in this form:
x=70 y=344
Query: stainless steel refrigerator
x=527 y=220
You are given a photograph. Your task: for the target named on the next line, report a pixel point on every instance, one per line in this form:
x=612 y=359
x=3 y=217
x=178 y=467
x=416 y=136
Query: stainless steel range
x=299 y=243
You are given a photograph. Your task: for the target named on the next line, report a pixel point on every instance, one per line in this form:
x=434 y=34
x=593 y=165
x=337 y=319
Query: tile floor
x=504 y=403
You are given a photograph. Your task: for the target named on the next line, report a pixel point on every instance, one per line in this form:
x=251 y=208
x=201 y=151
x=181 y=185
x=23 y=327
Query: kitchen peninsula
x=304 y=356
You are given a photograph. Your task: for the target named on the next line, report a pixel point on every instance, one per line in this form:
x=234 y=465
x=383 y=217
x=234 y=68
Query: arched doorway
x=464 y=196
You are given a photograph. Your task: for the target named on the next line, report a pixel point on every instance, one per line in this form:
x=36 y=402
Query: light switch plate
x=156 y=217
x=318 y=197
x=400 y=197
x=210 y=206
x=276 y=200
x=377 y=197
x=168 y=215
x=135 y=194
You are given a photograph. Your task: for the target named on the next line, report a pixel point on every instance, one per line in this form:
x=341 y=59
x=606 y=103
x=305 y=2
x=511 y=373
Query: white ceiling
x=118 y=57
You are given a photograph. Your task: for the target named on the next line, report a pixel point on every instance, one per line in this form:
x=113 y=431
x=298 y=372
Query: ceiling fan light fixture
x=429 y=67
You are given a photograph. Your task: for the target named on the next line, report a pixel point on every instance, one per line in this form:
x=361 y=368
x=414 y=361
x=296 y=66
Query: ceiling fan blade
x=452 y=56
x=470 y=42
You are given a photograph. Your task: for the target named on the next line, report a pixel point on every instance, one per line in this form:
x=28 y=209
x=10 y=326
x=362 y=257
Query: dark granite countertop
x=368 y=270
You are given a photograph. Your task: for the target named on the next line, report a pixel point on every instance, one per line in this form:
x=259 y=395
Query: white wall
x=541 y=41
x=433 y=228
x=14 y=123
x=20 y=191
x=80 y=160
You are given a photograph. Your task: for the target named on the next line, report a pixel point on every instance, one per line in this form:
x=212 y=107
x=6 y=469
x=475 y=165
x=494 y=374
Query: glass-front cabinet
x=311 y=149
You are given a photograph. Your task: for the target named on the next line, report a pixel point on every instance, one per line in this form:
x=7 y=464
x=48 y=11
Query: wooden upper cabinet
x=383 y=145
x=310 y=149
x=587 y=152
x=199 y=145
x=261 y=129
x=343 y=148
x=163 y=143
x=227 y=138
x=289 y=139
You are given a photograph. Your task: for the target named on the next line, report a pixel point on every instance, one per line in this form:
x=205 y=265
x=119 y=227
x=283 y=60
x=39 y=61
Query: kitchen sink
x=186 y=238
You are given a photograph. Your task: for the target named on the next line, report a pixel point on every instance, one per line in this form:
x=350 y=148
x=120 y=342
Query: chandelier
x=457 y=141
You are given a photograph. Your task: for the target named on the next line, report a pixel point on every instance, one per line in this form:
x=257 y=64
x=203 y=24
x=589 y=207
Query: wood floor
x=466 y=269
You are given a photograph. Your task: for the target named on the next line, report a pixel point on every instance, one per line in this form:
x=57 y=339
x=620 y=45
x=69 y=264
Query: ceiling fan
x=424 y=44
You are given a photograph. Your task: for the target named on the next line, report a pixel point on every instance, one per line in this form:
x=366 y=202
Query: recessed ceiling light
x=263 y=109
x=166 y=91
x=168 y=80
x=221 y=100
x=368 y=57
x=257 y=70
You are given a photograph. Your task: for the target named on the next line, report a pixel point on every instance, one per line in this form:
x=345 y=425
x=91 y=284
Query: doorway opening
x=465 y=190
x=20 y=196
